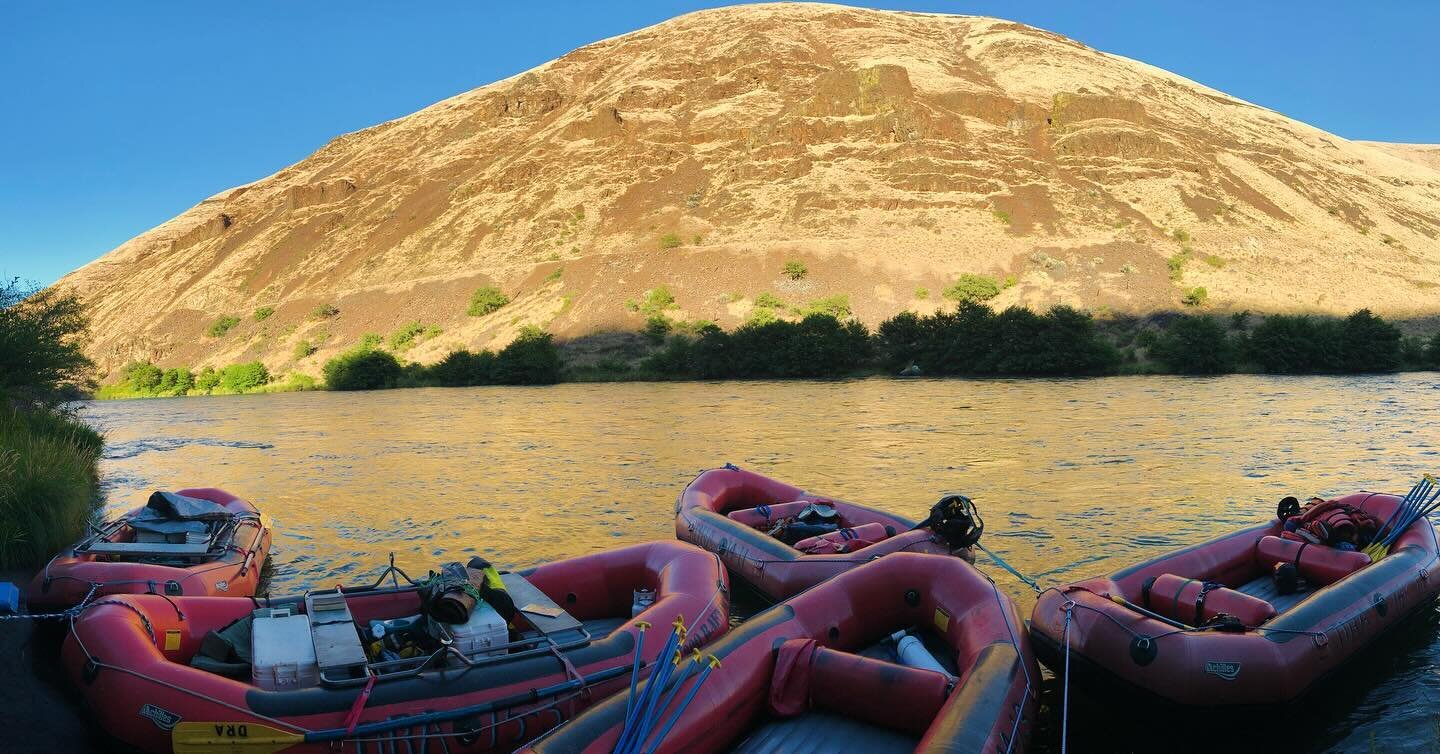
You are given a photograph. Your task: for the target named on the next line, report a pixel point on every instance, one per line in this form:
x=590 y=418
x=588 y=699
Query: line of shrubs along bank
x=972 y=340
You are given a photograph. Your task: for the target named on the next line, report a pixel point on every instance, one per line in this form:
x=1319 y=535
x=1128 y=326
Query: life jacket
x=1328 y=522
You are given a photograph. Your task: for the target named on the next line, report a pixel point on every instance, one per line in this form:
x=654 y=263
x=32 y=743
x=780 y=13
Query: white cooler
x=281 y=651
x=484 y=630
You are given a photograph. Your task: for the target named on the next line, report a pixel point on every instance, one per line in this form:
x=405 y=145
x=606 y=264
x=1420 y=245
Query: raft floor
x=820 y=733
x=1264 y=588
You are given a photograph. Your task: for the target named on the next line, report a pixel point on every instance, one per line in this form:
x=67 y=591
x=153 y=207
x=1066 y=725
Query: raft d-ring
x=1068 y=606
x=1425 y=574
x=1321 y=639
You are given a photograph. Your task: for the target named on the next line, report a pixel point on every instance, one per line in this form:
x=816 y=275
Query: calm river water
x=1074 y=478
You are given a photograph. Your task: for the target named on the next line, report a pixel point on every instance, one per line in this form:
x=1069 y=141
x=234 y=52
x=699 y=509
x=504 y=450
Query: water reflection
x=1074 y=476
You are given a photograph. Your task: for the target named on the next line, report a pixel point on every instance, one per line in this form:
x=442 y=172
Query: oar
x=635 y=668
x=652 y=691
x=1419 y=489
x=1415 y=506
x=670 y=693
x=675 y=716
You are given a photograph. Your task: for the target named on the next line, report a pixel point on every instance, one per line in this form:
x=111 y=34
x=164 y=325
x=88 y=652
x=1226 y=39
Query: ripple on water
x=1076 y=477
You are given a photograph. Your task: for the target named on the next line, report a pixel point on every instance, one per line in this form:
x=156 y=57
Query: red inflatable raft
x=222 y=556
x=571 y=644
x=818 y=673
x=1219 y=632
x=732 y=512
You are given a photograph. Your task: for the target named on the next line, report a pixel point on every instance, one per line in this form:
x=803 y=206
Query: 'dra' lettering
x=231 y=731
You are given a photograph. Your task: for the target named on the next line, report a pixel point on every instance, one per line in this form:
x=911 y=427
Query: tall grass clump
x=48 y=457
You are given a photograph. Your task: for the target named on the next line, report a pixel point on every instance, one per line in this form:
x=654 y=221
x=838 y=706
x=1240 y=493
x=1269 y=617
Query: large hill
x=887 y=152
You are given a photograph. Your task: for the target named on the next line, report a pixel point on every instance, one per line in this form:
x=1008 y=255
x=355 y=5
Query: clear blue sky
x=116 y=116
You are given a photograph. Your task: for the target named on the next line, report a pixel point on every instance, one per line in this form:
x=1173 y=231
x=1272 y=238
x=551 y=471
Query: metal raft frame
x=543 y=644
x=221 y=541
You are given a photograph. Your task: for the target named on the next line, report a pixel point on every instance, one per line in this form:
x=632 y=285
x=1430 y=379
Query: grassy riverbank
x=48 y=483
x=48 y=458
x=971 y=340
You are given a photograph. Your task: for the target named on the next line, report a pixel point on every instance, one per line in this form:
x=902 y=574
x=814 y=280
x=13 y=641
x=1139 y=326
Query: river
x=1073 y=477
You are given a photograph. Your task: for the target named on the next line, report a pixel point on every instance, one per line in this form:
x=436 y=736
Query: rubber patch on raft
x=942 y=619
x=172 y=641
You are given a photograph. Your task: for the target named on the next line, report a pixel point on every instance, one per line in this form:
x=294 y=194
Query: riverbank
x=971 y=341
x=49 y=482
x=36 y=693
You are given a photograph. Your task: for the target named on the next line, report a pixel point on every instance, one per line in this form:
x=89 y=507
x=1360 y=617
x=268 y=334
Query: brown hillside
x=888 y=152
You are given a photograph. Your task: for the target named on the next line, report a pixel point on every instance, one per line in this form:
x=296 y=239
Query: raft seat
x=1195 y=602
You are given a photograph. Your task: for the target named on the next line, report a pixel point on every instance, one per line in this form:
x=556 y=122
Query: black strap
x=1178 y=592
x=1200 y=601
x=1145 y=592
x=1303 y=545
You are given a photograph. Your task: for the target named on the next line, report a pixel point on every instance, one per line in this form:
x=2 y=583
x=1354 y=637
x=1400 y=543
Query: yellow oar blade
x=223 y=738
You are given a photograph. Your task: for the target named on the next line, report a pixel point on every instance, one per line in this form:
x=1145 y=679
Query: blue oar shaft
x=635 y=672
x=675 y=716
x=648 y=694
x=658 y=680
x=647 y=725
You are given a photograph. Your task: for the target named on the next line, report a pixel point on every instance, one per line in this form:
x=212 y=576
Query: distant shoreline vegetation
x=972 y=341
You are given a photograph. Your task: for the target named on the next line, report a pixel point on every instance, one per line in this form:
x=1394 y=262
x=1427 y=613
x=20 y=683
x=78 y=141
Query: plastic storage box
x=484 y=631
x=282 y=652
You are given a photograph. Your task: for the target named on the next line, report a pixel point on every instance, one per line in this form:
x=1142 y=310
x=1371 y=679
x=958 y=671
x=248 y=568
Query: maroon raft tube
x=793 y=679
x=129 y=657
x=720 y=510
x=1272 y=661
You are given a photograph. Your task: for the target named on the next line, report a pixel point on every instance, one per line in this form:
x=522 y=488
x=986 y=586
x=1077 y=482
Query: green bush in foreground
x=263 y=313
x=48 y=490
x=530 y=359
x=485 y=300
x=41 y=338
x=795 y=270
x=240 y=378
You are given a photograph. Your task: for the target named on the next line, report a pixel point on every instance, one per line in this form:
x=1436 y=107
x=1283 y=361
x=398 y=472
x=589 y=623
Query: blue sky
x=116 y=116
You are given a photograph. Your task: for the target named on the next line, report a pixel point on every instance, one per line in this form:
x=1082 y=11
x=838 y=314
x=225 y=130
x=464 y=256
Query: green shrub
x=177 y=381
x=48 y=481
x=1176 y=265
x=263 y=313
x=530 y=359
x=972 y=288
x=973 y=340
x=1432 y=351
x=240 y=378
x=555 y=274
x=369 y=341
x=1412 y=353
x=1181 y=235
x=324 y=311
x=761 y=315
x=795 y=270
x=485 y=300
x=1195 y=345
x=303 y=350
x=461 y=368
x=657 y=300
x=696 y=241
x=1368 y=344
x=818 y=346
x=837 y=306
x=222 y=325
x=141 y=377
x=1195 y=296
x=362 y=369
x=768 y=300
x=669 y=241
x=405 y=338
x=657 y=326
x=922 y=293
x=42 y=334
x=207 y=380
